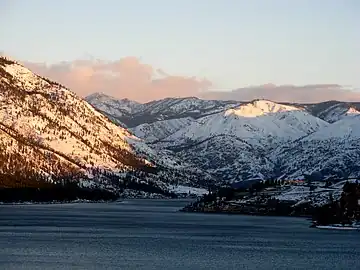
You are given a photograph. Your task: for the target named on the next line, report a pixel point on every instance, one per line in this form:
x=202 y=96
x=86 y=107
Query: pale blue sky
x=233 y=43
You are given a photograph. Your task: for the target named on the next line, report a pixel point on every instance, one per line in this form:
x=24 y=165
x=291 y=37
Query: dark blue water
x=145 y=234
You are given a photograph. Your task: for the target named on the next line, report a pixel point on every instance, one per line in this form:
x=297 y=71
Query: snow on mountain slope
x=347 y=129
x=179 y=106
x=133 y=114
x=233 y=145
x=234 y=140
x=262 y=123
x=260 y=107
x=48 y=133
x=334 y=151
x=160 y=129
x=227 y=157
x=113 y=106
x=332 y=111
x=231 y=142
x=52 y=119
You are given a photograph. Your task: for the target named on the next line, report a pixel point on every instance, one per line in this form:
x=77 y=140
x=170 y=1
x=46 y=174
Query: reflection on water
x=152 y=234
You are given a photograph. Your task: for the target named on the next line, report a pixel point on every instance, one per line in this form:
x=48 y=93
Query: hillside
x=332 y=150
x=236 y=141
x=48 y=134
x=49 y=131
x=261 y=122
x=132 y=114
x=332 y=111
x=161 y=129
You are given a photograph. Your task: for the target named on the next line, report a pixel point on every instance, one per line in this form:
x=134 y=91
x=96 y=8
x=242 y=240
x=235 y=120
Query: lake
x=152 y=234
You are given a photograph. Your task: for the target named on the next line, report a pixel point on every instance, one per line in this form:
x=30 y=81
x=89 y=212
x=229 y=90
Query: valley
x=52 y=140
x=178 y=135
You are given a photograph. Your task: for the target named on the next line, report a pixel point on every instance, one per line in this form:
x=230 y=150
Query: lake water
x=151 y=234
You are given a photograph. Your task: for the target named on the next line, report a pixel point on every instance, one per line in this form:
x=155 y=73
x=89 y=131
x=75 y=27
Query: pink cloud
x=124 y=78
x=288 y=93
x=129 y=78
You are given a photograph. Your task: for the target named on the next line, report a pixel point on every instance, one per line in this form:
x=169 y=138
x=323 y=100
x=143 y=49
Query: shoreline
x=339 y=228
x=309 y=217
x=93 y=202
x=232 y=213
x=53 y=202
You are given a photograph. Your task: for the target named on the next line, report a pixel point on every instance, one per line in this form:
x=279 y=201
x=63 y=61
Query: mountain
x=48 y=134
x=234 y=145
x=333 y=151
x=133 y=114
x=228 y=158
x=160 y=129
x=113 y=108
x=242 y=140
x=47 y=128
x=261 y=122
x=332 y=111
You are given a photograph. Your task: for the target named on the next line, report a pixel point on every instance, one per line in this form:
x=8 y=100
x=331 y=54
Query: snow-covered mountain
x=235 y=144
x=332 y=111
x=227 y=157
x=113 y=108
x=159 y=130
x=52 y=118
x=262 y=123
x=133 y=114
x=258 y=139
x=49 y=133
x=334 y=151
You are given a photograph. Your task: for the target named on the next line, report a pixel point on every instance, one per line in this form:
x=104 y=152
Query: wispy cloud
x=288 y=93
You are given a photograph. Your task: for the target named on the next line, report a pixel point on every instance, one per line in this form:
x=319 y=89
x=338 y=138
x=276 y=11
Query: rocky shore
x=267 y=207
x=318 y=204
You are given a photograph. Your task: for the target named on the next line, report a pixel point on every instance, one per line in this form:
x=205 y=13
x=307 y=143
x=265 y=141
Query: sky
x=222 y=44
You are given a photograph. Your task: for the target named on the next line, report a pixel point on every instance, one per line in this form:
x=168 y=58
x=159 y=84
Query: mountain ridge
x=318 y=109
x=272 y=129
x=49 y=134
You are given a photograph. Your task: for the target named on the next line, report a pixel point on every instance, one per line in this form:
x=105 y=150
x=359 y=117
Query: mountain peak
x=111 y=105
x=97 y=95
x=352 y=111
x=260 y=107
x=5 y=60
